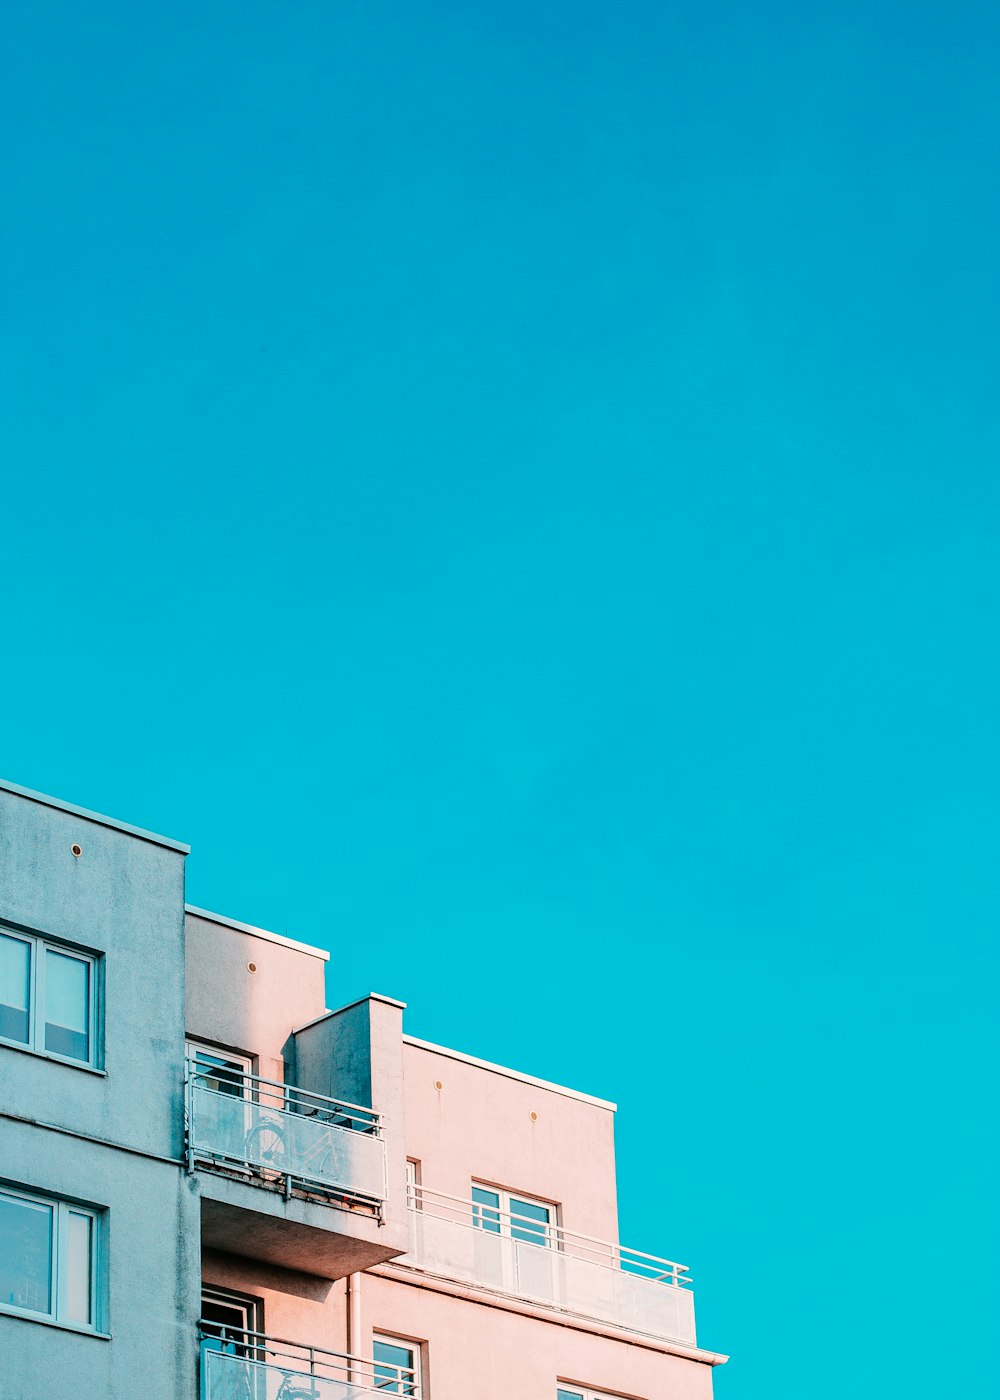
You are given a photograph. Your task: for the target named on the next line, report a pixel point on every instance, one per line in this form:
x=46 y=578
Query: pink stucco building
x=489 y=1266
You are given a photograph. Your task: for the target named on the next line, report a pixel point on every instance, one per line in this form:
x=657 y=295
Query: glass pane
x=79 y=1243
x=529 y=1222
x=15 y=984
x=25 y=1254
x=67 y=1005
x=569 y=1395
x=223 y=1076
x=486 y=1209
x=393 y=1368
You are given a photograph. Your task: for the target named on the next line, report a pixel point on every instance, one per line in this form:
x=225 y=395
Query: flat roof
x=113 y=822
x=264 y=933
x=510 y=1073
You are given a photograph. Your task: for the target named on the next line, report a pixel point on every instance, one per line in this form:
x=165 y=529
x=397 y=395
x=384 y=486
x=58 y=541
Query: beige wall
x=297 y=1307
x=478 y=1352
x=253 y=1012
x=479 y=1125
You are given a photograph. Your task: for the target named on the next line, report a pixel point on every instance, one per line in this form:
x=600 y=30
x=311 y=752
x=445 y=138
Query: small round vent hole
x=77 y=850
x=251 y=967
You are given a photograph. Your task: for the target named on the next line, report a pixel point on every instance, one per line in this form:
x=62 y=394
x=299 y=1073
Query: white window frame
x=413 y=1196
x=58 y=1281
x=551 y=1227
x=194 y=1048
x=35 y=1043
x=580 y=1392
x=252 y=1307
x=407 y=1344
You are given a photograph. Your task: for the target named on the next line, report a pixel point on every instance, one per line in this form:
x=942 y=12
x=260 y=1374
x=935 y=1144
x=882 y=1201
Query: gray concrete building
x=214 y=1188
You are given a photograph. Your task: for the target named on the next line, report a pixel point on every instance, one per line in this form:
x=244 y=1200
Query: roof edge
x=255 y=932
x=336 y=1010
x=44 y=800
x=511 y=1073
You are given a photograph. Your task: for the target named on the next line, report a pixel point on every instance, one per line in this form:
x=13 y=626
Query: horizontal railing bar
x=228 y=1076
x=470 y=1211
x=373 y=1383
x=370 y=1120
x=265 y=1342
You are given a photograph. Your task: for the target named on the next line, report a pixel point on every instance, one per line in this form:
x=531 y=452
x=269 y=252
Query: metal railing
x=242 y=1365
x=282 y=1135
x=524 y=1257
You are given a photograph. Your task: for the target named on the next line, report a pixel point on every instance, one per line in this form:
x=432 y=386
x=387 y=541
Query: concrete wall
x=472 y=1349
x=297 y=1307
x=479 y=1125
x=151 y=1303
x=123 y=898
x=356 y=1054
x=252 y=1012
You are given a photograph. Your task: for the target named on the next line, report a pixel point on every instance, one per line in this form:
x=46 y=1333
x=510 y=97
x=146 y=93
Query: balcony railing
x=546 y=1264
x=238 y=1365
x=278 y=1135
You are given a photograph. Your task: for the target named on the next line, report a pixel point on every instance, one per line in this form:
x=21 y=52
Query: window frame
x=416 y=1350
x=62 y=1209
x=38 y=945
x=237 y=1058
x=414 y=1198
x=569 y=1390
x=506 y=1195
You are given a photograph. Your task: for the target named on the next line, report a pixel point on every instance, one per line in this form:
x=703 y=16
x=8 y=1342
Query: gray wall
x=124 y=899
x=356 y=1054
x=153 y=1277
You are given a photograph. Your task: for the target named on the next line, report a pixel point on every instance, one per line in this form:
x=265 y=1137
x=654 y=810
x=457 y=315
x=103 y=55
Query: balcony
x=284 y=1137
x=573 y=1273
x=252 y=1366
x=283 y=1169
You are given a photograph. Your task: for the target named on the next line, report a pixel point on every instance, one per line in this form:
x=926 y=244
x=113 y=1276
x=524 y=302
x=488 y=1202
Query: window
x=413 y=1196
x=48 y=1258
x=396 y=1366
x=48 y=998
x=228 y=1321
x=226 y=1313
x=575 y=1392
x=222 y=1073
x=519 y=1217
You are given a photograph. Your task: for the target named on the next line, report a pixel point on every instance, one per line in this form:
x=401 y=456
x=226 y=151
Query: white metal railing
x=522 y=1256
x=281 y=1134
x=240 y=1365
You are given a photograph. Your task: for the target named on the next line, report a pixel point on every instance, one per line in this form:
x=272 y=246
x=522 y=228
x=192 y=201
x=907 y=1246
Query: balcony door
x=516 y=1246
x=220 y=1099
x=230 y=1350
x=230 y=1318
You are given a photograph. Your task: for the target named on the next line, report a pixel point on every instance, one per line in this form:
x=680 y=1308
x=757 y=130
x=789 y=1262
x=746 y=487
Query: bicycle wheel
x=265 y=1147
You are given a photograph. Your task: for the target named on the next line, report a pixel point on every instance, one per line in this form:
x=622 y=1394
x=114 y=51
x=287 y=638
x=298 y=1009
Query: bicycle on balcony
x=294 y=1144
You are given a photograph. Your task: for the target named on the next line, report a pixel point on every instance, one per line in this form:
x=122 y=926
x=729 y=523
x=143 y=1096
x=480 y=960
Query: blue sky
x=516 y=488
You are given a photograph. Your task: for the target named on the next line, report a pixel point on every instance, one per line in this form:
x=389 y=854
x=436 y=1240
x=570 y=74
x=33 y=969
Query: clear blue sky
x=516 y=487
